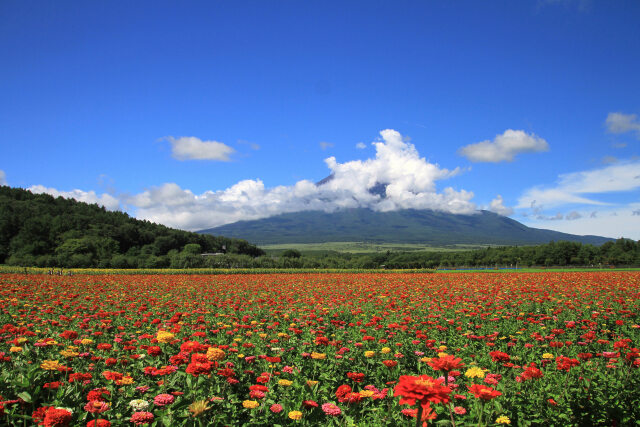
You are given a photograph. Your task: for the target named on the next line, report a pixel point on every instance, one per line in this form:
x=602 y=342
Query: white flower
x=139 y=404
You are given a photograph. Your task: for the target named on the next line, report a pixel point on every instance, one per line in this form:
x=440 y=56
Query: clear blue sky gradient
x=90 y=89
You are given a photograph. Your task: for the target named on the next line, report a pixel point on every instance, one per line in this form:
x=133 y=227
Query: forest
x=43 y=231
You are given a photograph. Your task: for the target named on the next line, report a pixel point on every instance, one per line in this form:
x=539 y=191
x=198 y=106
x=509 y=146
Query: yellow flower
x=285 y=383
x=319 y=356
x=240 y=356
x=426 y=359
x=50 y=365
x=385 y=350
x=262 y=335
x=474 y=372
x=15 y=349
x=442 y=354
x=369 y=353
x=250 y=404
x=68 y=353
x=547 y=356
x=214 y=353
x=86 y=341
x=199 y=407
x=366 y=393
x=503 y=419
x=165 y=336
x=125 y=380
x=295 y=415
x=442 y=348
x=22 y=340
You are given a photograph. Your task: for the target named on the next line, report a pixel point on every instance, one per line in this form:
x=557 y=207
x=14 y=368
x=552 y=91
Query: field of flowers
x=556 y=349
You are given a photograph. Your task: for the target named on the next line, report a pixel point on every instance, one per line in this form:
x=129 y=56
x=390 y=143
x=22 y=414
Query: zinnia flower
x=57 y=417
x=163 y=399
x=199 y=407
x=139 y=404
x=483 y=392
x=250 y=404
x=100 y=422
x=474 y=372
x=331 y=409
x=295 y=415
x=446 y=363
x=423 y=389
x=140 y=418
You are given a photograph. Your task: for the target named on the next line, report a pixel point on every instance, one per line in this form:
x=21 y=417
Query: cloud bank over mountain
x=410 y=182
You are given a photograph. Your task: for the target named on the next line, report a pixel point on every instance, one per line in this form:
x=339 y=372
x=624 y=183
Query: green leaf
x=25 y=396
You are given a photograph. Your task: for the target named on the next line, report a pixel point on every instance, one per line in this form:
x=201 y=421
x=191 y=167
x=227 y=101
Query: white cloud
x=324 y=145
x=361 y=145
x=623 y=123
x=192 y=148
x=497 y=206
x=106 y=200
x=3 y=178
x=600 y=223
x=571 y=187
x=504 y=147
x=409 y=179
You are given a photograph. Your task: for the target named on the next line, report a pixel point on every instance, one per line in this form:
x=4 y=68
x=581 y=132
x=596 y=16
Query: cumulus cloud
x=407 y=180
x=3 y=178
x=572 y=187
x=505 y=147
x=192 y=148
x=361 y=145
x=106 y=200
x=497 y=206
x=623 y=123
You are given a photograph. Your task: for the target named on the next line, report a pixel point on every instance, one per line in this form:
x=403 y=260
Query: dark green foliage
x=403 y=226
x=40 y=230
x=291 y=253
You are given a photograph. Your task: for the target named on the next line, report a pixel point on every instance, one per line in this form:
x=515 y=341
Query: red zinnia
x=446 y=363
x=483 y=392
x=57 y=417
x=423 y=389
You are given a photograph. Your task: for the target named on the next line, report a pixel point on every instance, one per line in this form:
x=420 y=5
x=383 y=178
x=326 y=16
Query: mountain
x=402 y=226
x=40 y=230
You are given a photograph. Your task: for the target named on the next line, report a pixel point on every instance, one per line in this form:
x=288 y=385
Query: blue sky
x=196 y=114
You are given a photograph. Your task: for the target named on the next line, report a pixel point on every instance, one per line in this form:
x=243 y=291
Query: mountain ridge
x=402 y=226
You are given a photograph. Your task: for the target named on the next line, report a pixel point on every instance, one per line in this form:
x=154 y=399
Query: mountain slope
x=403 y=226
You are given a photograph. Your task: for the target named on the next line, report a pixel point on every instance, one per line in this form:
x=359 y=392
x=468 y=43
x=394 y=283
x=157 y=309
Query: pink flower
x=276 y=408
x=459 y=410
x=163 y=399
x=96 y=406
x=331 y=409
x=142 y=417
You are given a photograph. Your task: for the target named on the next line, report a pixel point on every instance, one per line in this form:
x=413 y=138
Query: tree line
x=44 y=231
x=620 y=253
